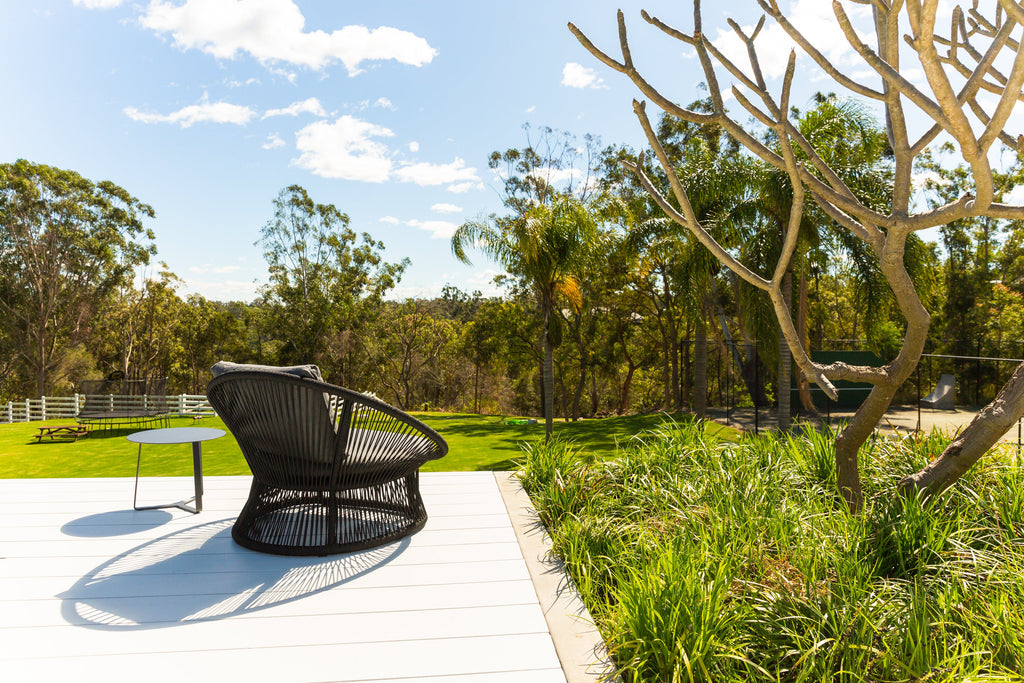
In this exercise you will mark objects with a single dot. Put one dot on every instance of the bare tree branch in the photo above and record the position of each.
(772, 8)
(888, 73)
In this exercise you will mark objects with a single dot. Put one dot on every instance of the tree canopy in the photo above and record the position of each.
(66, 245)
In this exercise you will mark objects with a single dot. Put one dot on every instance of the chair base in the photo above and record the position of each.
(288, 522)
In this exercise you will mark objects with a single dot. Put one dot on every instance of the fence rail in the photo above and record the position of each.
(68, 407)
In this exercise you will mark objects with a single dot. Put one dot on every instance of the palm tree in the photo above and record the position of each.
(850, 141)
(716, 178)
(544, 247)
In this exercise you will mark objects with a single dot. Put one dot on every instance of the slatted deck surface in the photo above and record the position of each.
(91, 590)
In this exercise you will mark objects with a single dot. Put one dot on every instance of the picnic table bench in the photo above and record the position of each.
(62, 430)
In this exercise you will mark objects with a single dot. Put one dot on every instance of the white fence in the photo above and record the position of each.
(67, 407)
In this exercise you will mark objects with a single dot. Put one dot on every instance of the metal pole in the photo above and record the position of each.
(719, 377)
(757, 388)
(918, 397)
(977, 377)
(728, 394)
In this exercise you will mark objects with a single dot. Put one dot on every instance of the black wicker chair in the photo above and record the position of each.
(333, 470)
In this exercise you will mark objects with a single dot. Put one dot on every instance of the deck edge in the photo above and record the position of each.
(580, 648)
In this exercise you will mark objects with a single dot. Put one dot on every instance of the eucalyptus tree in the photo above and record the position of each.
(409, 351)
(136, 331)
(66, 244)
(209, 331)
(544, 245)
(969, 97)
(483, 340)
(322, 280)
(971, 247)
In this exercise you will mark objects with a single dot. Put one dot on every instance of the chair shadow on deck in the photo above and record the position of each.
(200, 574)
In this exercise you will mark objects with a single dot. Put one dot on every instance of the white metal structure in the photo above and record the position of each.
(67, 407)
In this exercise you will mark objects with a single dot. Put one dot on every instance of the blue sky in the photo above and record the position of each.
(206, 109)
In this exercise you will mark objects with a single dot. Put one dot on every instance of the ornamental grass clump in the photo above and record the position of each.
(706, 560)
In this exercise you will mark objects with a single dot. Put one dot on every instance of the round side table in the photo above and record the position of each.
(194, 435)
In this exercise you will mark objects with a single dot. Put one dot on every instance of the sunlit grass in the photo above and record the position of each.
(475, 442)
(707, 560)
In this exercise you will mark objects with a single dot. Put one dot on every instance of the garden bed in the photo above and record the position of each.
(703, 560)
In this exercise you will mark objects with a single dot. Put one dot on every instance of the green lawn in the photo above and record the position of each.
(475, 443)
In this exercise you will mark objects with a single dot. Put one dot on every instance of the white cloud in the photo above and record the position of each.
(446, 208)
(554, 176)
(344, 149)
(379, 103)
(239, 84)
(1015, 196)
(212, 112)
(462, 188)
(216, 270)
(310, 106)
(223, 290)
(273, 31)
(349, 149)
(482, 280)
(98, 4)
(414, 146)
(273, 141)
(437, 229)
(426, 174)
(576, 75)
(919, 180)
(814, 19)
(531, 109)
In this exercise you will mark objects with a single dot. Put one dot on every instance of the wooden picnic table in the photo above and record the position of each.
(62, 430)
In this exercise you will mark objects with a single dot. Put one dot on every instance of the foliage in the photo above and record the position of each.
(543, 241)
(704, 560)
(322, 284)
(66, 245)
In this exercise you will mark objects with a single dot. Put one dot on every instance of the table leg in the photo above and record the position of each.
(138, 464)
(197, 472)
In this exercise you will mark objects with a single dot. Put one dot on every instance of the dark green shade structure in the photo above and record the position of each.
(333, 470)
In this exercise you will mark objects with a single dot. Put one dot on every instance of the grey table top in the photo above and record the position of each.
(176, 435)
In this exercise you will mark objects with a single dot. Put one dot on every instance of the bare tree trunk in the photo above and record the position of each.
(984, 431)
(476, 388)
(700, 369)
(581, 384)
(804, 387)
(626, 384)
(673, 348)
(782, 385)
(687, 364)
(666, 373)
(548, 382)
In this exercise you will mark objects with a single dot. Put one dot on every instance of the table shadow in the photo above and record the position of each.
(116, 523)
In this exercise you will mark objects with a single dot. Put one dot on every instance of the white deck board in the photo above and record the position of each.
(93, 590)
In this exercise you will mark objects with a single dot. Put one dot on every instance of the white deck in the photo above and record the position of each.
(91, 590)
